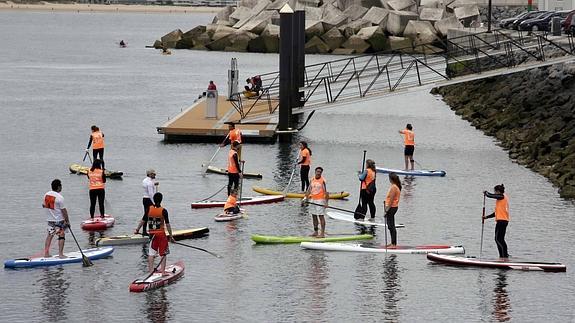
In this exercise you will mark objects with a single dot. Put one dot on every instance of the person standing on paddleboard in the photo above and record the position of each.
(317, 193)
(409, 141)
(234, 173)
(305, 162)
(231, 206)
(96, 182)
(150, 186)
(97, 143)
(391, 205)
(57, 217)
(501, 215)
(157, 221)
(235, 135)
(368, 189)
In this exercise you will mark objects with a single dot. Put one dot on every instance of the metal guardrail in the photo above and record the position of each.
(388, 71)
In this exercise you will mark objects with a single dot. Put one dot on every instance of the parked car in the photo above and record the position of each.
(529, 15)
(504, 23)
(543, 21)
(568, 21)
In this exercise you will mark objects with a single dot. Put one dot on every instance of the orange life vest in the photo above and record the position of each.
(97, 140)
(95, 179)
(395, 202)
(305, 153)
(409, 139)
(231, 202)
(368, 179)
(317, 188)
(156, 220)
(502, 209)
(235, 135)
(232, 167)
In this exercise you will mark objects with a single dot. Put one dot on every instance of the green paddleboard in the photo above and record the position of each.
(293, 239)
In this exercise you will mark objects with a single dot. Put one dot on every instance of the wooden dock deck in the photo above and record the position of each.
(191, 125)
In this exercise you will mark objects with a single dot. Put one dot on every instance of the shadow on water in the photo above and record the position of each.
(157, 306)
(287, 154)
(316, 279)
(501, 303)
(54, 292)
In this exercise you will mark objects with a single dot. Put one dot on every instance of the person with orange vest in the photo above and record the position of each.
(97, 143)
(233, 136)
(305, 162)
(501, 215)
(157, 222)
(368, 189)
(317, 193)
(391, 205)
(97, 180)
(231, 206)
(409, 141)
(234, 168)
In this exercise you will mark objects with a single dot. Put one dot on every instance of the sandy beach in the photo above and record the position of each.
(84, 7)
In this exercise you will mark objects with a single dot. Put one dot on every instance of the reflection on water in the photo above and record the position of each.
(92, 237)
(501, 303)
(287, 155)
(157, 306)
(54, 300)
(392, 288)
(316, 279)
(408, 186)
(366, 229)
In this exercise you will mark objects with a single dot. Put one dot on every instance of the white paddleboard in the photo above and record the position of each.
(375, 248)
(349, 218)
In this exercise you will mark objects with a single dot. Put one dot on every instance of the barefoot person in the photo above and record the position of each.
(97, 143)
(305, 162)
(97, 182)
(368, 189)
(157, 222)
(234, 168)
(390, 205)
(57, 217)
(317, 193)
(501, 215)
(409, 141)
(150, 186)
(231, 206)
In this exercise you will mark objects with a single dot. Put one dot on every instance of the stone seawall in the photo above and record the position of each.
(531, 113)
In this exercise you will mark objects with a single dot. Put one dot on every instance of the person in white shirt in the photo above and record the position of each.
(57, 217)
(150, 186)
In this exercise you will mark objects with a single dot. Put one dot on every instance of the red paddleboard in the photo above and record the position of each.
(98, 223)
(157, 280)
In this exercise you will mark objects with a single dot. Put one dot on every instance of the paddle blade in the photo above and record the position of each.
(359, 212)
(86, 261)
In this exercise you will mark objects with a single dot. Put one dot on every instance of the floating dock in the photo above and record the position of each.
(193, 125)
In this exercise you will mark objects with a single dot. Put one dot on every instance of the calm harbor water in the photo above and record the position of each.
(62, 72)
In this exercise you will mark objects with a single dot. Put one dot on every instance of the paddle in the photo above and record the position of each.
(385, 230)
(205, 166)
(241, 183)
(85, 260)
(291, 177)
(482, 226)
(358, 214)
(335, 208)
(153, 271)
(197, 248)
(85, 155)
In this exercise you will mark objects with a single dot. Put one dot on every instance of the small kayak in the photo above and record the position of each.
(140, 239)
(98, 223)
(416, 172)
(375, 248)
(245, 201)
(222, 171)
(156, 280)
(266, 191)
(349, 218)
(493, 263)
(83, 170)
(71, 257)
(224, 217)
(295, 239)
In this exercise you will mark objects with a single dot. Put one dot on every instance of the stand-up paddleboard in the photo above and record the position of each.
(490, 263)
(332, 195)
(224, 217)
(375, 248)
(416, 172)
(349, 218)
(245, 201)
(98, 223)
(295, 239)
(139, 239)
(222, 171)
(145, 283)
(83, 170)
(71, 257)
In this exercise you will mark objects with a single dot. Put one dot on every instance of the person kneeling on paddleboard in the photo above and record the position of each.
(57, 217)
(317, 193)
(501, 215)
(391, 205)
(157, 222)
(231, 206)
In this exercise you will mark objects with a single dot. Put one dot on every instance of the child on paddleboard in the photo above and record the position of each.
(231, 206)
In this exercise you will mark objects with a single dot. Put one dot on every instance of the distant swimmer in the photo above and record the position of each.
(123, 44)
(97, 143)
(409, 141)
(501, 215)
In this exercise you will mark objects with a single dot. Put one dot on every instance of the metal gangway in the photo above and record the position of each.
(444, 62)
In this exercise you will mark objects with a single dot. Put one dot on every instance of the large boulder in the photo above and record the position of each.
(399, 43)
(445, 24)
(333, 38)
(467, 14)
(332, 17)
(420, 32)
(343, 51)
(354, 12)
(316, 46)
(313, 28)
(354, 27)
(344, 4)
(451, 5)
(224, 14)
(397, 21)
(267, 42)
(247, 3)
(255, 11)
(170, 39)
(430, 3)
(223, 31)
(312, 13)
(377, 16)
(402, 5)
(221, 43)
(158, 44)
(211, 29)
(431, 14)
(239, 14)
(258, 24)
(240, 41)
(359, 45)
(375, 37)
(277, 4)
